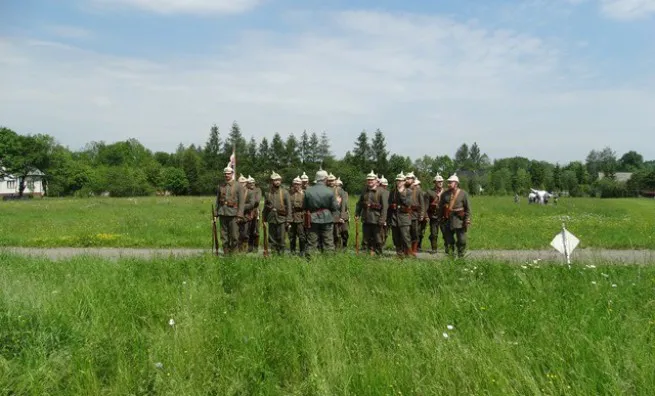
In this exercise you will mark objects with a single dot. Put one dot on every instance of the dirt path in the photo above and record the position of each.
(522, 256)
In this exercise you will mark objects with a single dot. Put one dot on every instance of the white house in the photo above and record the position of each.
(33, 184)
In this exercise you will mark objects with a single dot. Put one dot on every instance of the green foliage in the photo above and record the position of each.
(342, 325)
(175, 181)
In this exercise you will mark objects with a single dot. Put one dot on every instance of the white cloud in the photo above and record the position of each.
(628, 9)
(430, 83)
(183, 6)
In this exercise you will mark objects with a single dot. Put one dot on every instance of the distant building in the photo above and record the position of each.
(33, 184)
(619, 176)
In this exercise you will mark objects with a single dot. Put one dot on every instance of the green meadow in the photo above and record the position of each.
(336, 325)
(168, 222)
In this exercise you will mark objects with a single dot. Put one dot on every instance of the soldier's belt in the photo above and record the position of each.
(296, 210)
(374, 206)
(230, 204)
(406, 209)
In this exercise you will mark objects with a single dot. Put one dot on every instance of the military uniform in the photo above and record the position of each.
(384, 186)
(230, 200)
(456, 213)
(432, 201)
(244, 226)
(423, 222)
(400, 219)
(253, 227)
(344, 228)
(322, 206)
(297, 230)
(418, 211)
(341, 217)
(372, 209)
(277, 214)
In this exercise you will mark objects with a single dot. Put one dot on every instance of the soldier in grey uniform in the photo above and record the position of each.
(230, 200)
(372, 209)
(418, 209)
(384, 186)
(253, 228)
(244, 226)
(456, 212)
(322, 206)
(433, 198)
(277, 213)
(400, 216)
(344, 221)
(305, 181)
(423, 222)
(297, 230)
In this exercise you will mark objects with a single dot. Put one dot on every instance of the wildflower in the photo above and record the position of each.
(450, 327)
(593, 282)
(171, 322)
(605, 275)
(613, 284)
(524, 266)
(445, 335)
(184, 282)
(159, 365)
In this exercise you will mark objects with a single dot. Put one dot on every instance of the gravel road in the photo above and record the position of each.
(522, 256)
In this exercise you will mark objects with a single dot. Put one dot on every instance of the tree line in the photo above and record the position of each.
(127, 168)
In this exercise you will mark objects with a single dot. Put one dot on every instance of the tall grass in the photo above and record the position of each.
(335, 325)
(169, 222)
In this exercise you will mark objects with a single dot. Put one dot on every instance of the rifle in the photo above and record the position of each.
(214, 233)
(356, 236)
(265, 237)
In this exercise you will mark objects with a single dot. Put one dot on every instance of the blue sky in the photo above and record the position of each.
(546, 79)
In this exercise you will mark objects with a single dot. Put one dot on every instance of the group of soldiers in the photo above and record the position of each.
(317, 217)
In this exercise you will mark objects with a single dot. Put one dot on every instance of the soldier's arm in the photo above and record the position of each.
(218, 201)
(358, 206)
(344, 205)
(241, 193)
(467, 208)
(289, 208)
(385, 207)
(421, 200)
(267, 206)
(335, 205)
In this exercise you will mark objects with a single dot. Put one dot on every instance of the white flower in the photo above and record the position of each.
(184, 282)
(613, 284)
(171, 322)
(450, 327)
(445, 335)
(159, 365)
(605, 275)
(593, 282)
(524, 266)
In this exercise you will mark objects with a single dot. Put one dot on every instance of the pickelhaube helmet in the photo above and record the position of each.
(321, 175)
(242, 179)
(371, 176)
(338, 182)
(384, 181)
(401, 176)
(304, 177)
(453, 178)
(250, 179)
(275, 176)
(410, 175)
(297, 180)
(331, 177)
(228, 169)
(438, 178)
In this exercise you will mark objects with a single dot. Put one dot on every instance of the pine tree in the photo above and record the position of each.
(462, 157)
(277, 152)
(304, 146)
(323, 149)
(212, 150)
(312, 149)
(379, 152)
(361, 152)
(292, 151)
(264, 156)
(235, 139)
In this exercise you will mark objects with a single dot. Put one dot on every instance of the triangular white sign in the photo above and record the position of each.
(571, 242)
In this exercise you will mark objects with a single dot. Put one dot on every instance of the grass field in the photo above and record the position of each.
(337, 326)
(498, 223)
